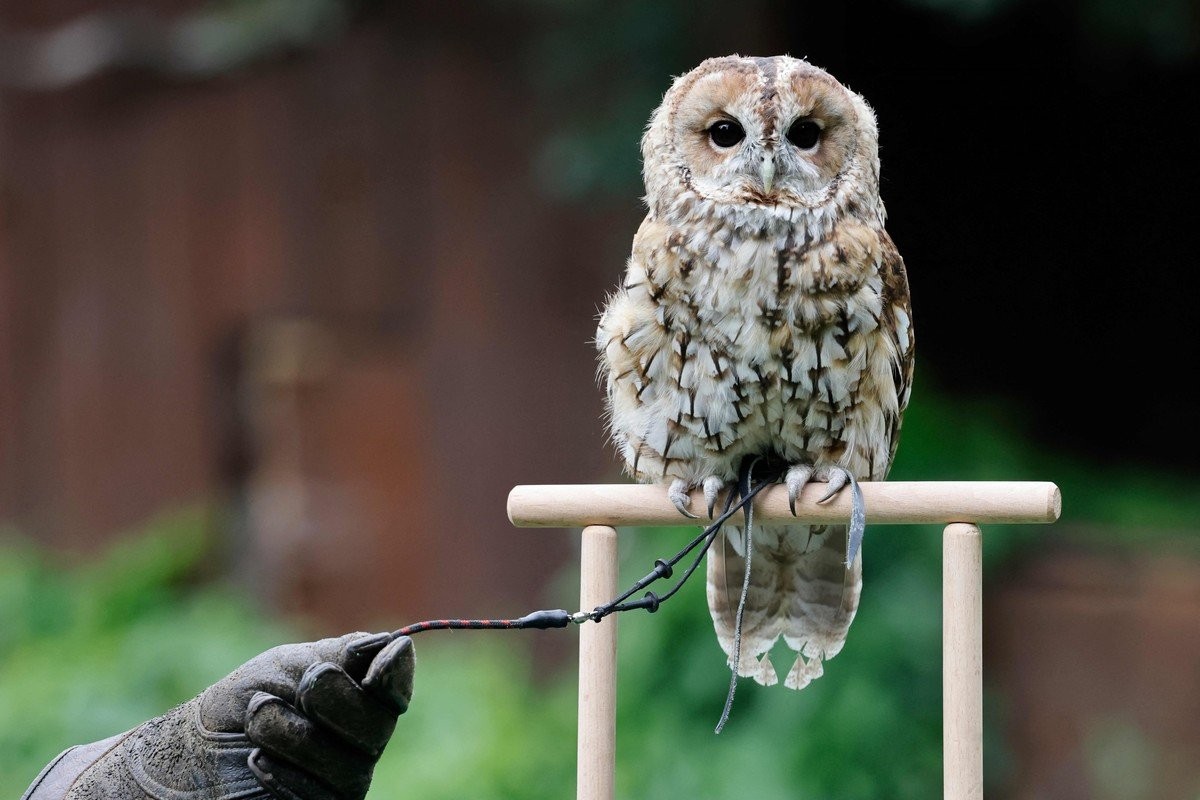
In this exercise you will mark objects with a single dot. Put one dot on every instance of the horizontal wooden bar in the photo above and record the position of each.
(887, 502)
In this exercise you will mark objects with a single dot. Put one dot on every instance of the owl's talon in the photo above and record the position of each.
(797, 476)
(712, 488)
(837, 480)
(678, 494)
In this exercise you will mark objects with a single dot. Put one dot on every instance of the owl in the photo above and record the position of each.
(765, 312)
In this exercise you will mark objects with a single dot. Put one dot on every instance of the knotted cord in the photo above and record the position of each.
(739, 499)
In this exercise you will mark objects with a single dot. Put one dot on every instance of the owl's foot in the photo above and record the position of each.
(836, 478)
(796, 478)
(712, 487)
(678, 494)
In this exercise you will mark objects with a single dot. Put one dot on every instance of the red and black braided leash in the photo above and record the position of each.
(558, 618)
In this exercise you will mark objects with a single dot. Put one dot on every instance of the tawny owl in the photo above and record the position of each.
(764, 311)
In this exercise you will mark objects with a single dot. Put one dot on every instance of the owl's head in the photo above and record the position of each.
(774, 132)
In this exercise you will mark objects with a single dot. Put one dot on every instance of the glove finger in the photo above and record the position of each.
(357, 655)
(331, 697)
(286, 782)
(284, 733)
(276, 671)
(390, 675)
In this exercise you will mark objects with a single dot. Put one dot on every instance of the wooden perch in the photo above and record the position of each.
(890, 502)
(960, 506)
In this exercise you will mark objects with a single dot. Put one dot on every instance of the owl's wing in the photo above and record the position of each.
(897, 327)
(657, 370)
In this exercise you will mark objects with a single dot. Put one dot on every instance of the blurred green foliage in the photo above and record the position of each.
(90, 651)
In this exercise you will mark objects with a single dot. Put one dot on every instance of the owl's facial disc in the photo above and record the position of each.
(741, 157)
(772, 132)
(730, 154)
(725, 135)
(765, 169)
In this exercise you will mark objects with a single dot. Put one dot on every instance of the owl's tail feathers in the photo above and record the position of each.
(804, 672)
(821, 604)
(800, 589)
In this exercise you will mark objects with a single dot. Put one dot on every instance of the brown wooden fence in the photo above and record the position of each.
(322, 288)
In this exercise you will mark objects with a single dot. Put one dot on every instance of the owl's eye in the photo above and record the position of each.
(804, 133)
(726, 133)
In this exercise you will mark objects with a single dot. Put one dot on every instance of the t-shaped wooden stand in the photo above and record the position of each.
(960, 506)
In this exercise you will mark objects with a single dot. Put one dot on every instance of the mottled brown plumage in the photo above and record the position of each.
(764, 311)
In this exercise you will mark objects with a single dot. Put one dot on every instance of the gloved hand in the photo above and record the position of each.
(298, 722)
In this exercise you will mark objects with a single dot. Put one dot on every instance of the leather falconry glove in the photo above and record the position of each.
(298, 722)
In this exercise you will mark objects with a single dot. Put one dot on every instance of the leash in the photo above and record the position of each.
(739, 499)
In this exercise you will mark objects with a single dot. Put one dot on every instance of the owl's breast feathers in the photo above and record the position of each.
(722, 343)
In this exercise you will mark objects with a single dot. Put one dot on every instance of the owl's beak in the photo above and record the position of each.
(767, 171)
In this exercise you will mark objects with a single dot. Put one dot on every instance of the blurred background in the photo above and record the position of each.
(292, 292)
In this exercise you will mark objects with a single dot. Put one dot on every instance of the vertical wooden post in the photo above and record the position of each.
(962, 662)
(597, 743)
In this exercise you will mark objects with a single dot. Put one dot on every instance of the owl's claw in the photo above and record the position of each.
(797, 476)
(678, 494)
(712, 488)
(837, 478)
